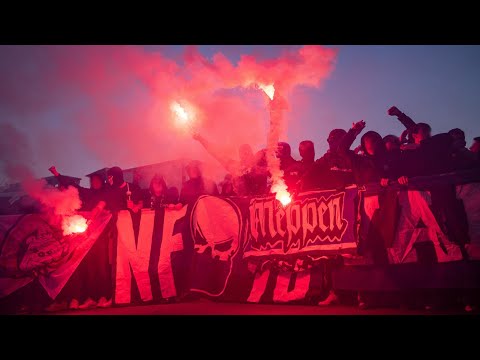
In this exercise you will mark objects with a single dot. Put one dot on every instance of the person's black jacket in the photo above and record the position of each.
(366, 168)
(155, 202)
(331, 171)
(89, 197)
(193, 188)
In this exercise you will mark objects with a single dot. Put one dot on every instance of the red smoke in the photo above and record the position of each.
(115, 100)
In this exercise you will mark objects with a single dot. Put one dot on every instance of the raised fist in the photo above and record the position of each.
(359, 126)
(384, 182)
(393, 111)
(403, 180)
(53, 170)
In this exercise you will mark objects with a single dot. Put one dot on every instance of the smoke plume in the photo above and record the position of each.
(16, 160)
(86, 107)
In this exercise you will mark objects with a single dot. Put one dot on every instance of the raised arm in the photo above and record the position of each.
(347, 141)
(404, 119)
(63, 180)
(212, 151)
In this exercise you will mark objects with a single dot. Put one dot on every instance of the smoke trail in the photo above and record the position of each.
(87, 107)
(15, 163)
(277, 106)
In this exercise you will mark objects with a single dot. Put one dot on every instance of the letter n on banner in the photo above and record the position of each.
(136, 257)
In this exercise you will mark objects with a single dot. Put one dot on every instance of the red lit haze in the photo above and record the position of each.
(117, 99)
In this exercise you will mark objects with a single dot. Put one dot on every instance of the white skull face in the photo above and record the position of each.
(216, 226)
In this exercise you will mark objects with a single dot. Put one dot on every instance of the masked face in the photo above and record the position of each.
(157, 188)
(373, 144)
(95, 183)
(475, 148)
(421, 135)
(306, 150)
(392, 146)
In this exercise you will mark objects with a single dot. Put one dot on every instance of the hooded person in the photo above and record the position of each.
(332, 170)
(289, 166)
(90, 197)
(196, 185)
(462, 157)
(159, 194)
(121, 194)
(392, 143)
(475, 147)
(91, 283)
(375, 164)
(226, 186)
(411, 127)
(249, 173)
(284, 153)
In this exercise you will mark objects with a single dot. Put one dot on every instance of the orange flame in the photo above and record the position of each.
(281, 193)
(284, 198)
(74, 224)
(180, 113)
(268, 89)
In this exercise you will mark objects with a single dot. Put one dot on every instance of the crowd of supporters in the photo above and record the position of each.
(382, 160)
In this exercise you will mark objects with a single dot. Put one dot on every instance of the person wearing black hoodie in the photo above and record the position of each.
(332, 170)
(375, 164)
(91, 283)
(159, 195)
(90, 197)
(463, 158)
(288, 165)
(196, 185)
(122, 195)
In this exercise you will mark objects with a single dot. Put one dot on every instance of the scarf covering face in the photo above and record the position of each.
(117, 175)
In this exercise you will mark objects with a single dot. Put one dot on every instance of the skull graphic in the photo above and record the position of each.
(216, 225)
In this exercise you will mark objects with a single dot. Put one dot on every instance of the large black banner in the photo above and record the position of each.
(210, 245)
(229, 249)
(235, 238)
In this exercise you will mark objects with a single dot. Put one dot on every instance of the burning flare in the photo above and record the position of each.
(183, 118)
(282, 195)
(180, 112)
(268, 89)
(278, 184)
(74, 224)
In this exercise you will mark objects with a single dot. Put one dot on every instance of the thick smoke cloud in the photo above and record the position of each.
(109, 105)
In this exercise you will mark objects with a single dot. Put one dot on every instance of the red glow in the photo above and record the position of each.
(284, 198)
(74, 224)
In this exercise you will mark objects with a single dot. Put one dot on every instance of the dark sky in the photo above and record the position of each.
(435, 84)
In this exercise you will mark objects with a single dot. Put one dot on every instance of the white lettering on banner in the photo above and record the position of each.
(302, 224)
(415, 206)
(310, 220)
(271, 227)
(259, 286)
(302, 282)
(170, 243)
(138, 257)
